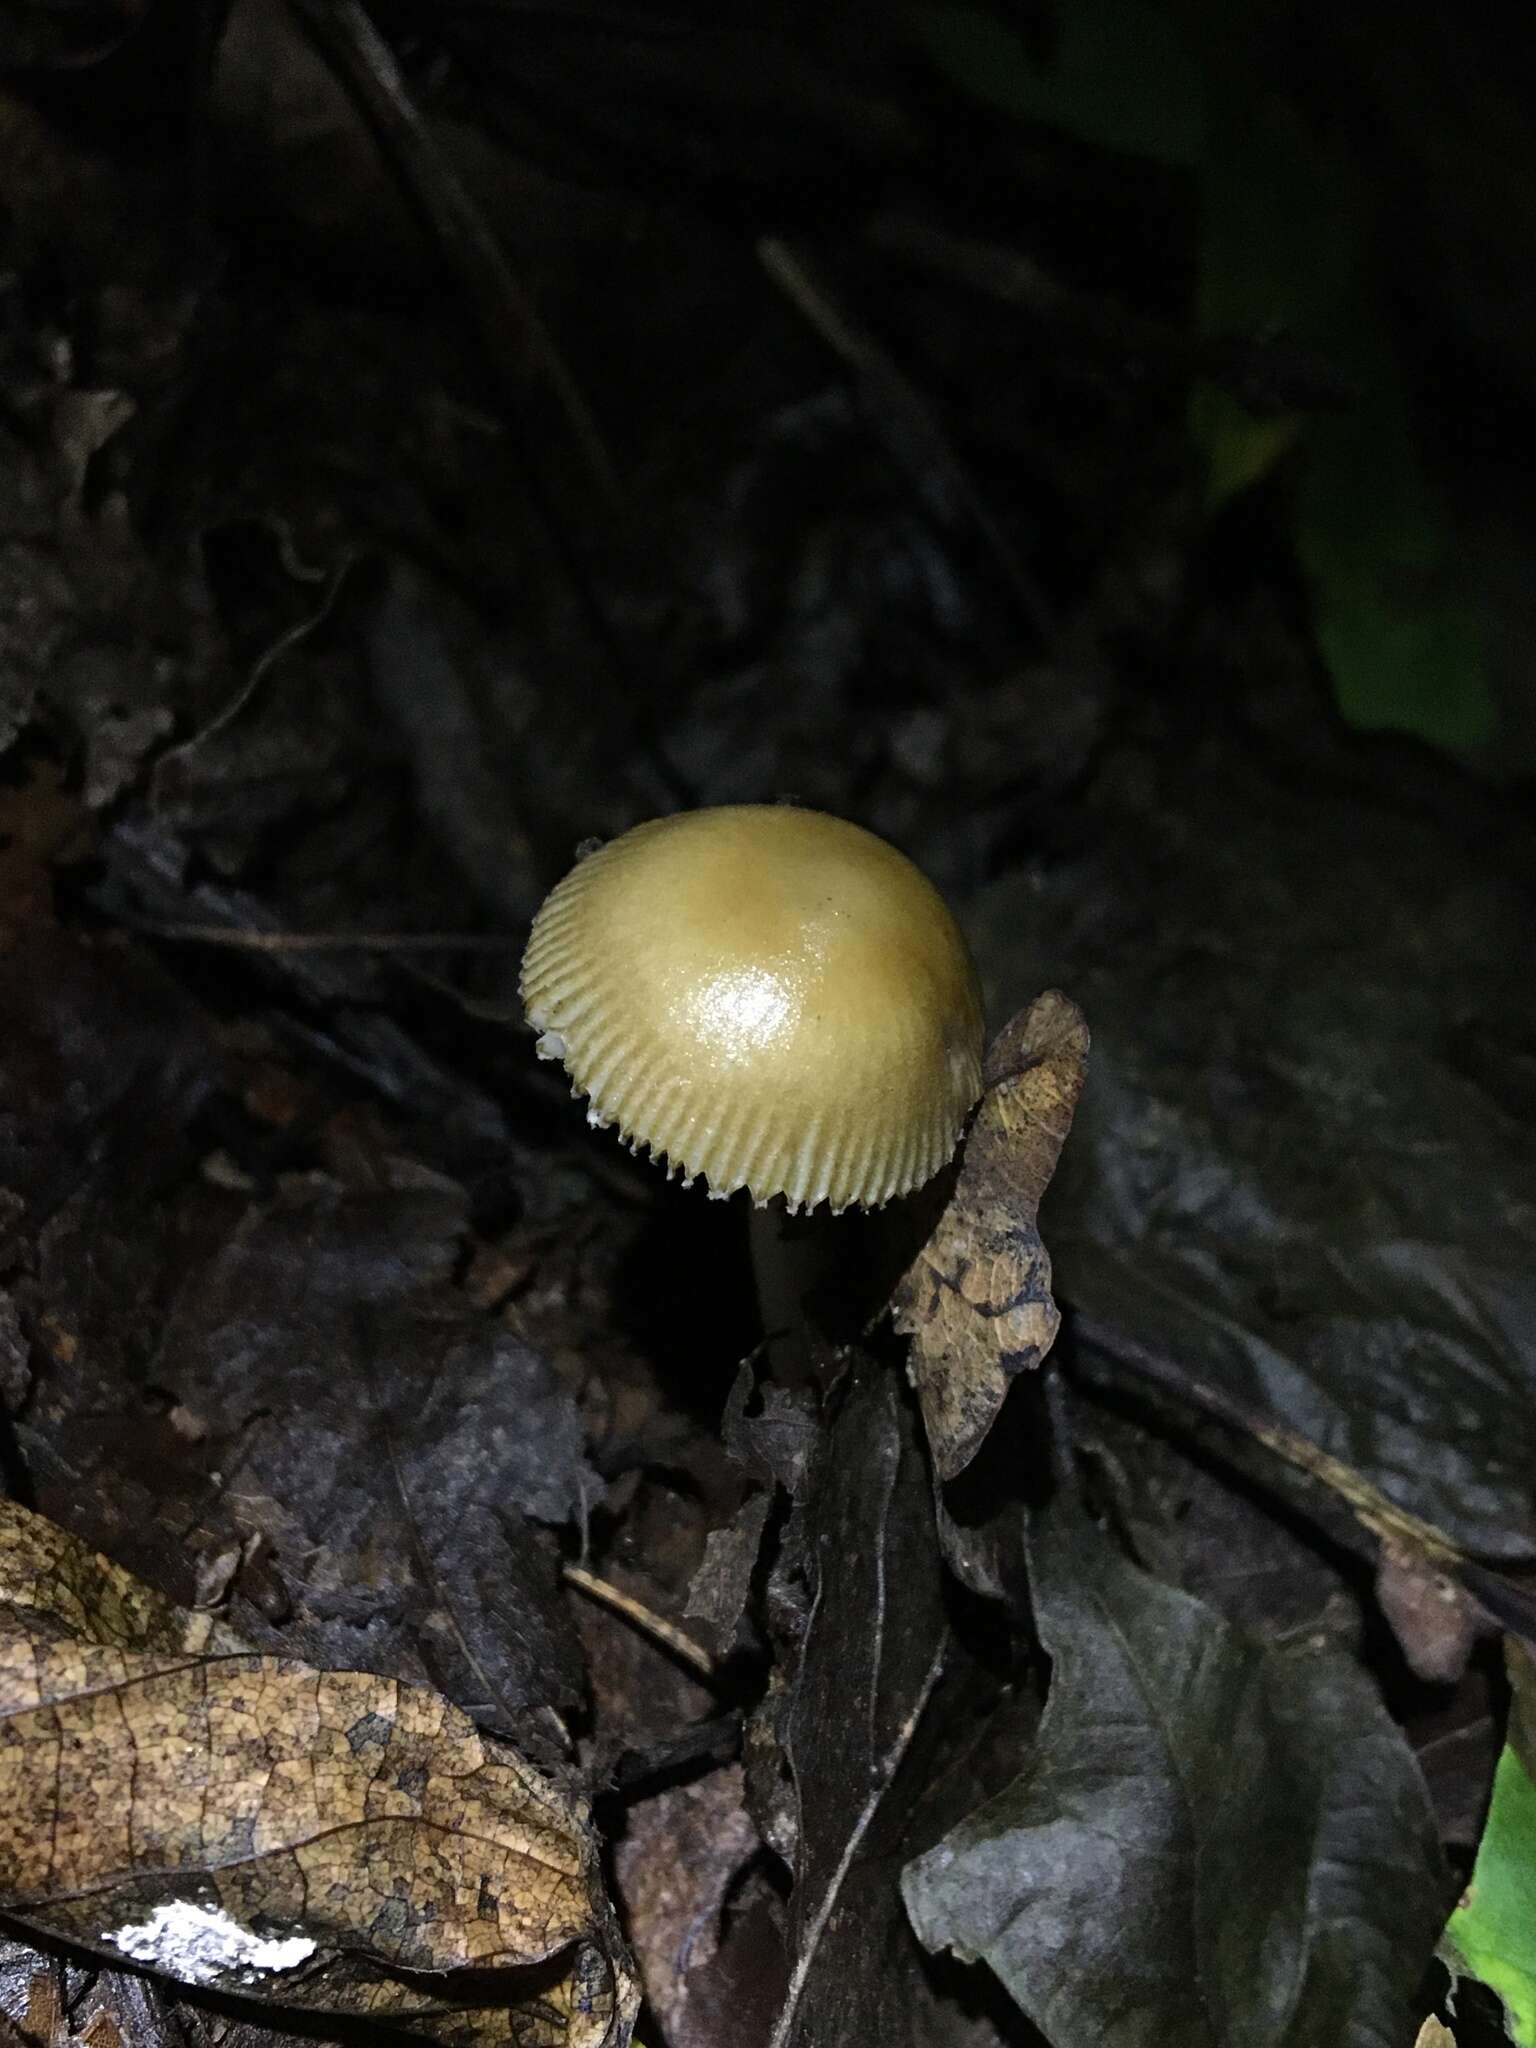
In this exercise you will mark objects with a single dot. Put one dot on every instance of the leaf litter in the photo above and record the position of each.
(320, 1312)
(253, 1824)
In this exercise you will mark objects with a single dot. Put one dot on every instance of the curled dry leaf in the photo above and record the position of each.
(976, 1301)
(255, 1825)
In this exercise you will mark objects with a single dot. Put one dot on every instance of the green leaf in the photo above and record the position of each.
(1214, 1843)
(1121, 76)
(1492, 1933)
(1239, 447)
(1287, 247)
(1403, 657)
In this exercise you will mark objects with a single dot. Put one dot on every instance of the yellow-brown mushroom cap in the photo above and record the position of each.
(768, 997)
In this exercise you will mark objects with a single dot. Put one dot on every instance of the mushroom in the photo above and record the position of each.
(765, 998)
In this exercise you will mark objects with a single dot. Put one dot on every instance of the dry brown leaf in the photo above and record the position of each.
(255, 1825)
(682, 1851)
(976, 1301)
(1435, 1620)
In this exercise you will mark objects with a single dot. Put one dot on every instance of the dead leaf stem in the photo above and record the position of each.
(644, 1618)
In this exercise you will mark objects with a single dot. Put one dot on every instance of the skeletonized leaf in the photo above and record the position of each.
(977, 1299)
(256, 1825)
(1213, 1842)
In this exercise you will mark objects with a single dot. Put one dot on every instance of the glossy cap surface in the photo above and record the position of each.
(766, 997)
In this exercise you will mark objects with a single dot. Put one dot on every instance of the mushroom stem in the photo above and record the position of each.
(821, 1279)
(788, 1257)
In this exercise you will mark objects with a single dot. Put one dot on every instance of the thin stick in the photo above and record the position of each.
(644, 1618)
(1369, 1506)
(291, 637)
(326, 942)
(502, 308)
(917, 425)
(1270, 373)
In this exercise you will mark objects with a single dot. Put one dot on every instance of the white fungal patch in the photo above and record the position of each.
(202, 1945)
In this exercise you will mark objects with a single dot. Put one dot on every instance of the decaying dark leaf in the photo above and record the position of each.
(35, 2012)
(977, 1299)
(737, 1995)
(681, 1852)
(390, 1446)
(1212, 1840)
(775, 1444)
(1182, 1519)
(205, 1373)
(252, 1824)
(872, 1651)
(336, 1402)
(718, 1594)
(1301, 1177)
(64, 32)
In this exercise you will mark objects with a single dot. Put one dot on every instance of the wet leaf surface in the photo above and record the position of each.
(308, 1387)
(339, 1410)
(390, 1443)
(1299, 1174)
(1257, 1818)
(252, 1824)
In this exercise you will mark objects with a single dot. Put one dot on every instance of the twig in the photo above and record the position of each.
(502, 308)
(644, 1618)
(1267, 373)
(511, 334)
(325, 942)
(901, 405)
(291, 637)
(1370, 1507)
